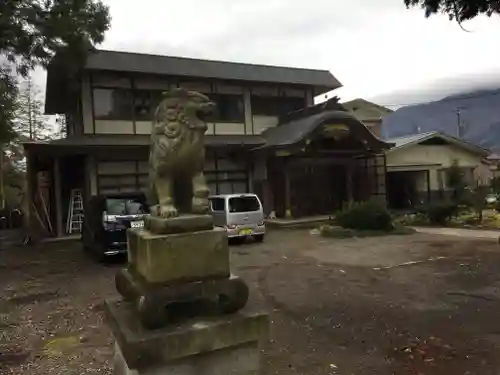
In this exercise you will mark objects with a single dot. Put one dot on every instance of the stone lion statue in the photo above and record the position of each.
(177, 154)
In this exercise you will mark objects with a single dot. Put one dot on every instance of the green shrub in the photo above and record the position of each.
(367, 215)
(439, 213)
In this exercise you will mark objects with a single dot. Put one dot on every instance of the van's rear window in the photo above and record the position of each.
(243, 204)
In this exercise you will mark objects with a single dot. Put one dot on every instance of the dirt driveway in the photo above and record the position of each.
(420, 304)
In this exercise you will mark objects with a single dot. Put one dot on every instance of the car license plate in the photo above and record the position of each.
(245, 232)
(137, 224)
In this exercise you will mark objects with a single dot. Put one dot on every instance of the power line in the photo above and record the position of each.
(443, 100)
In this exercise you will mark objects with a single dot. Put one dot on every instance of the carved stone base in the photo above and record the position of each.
(156, 304)
(227, 345)
(180, 257)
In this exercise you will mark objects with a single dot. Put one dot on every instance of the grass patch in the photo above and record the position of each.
(339, 232)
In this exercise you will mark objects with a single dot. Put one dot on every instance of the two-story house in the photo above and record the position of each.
(265, 136)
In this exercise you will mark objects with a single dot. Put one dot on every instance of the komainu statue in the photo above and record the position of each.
(177, 154)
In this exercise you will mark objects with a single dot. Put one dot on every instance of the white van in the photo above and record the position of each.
(240, 214)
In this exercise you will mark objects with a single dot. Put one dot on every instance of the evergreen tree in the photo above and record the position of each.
(30, 123)
(8, 101)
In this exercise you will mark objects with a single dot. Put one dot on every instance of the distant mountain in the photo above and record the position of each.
(479, 116)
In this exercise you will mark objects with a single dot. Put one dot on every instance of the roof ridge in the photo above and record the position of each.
(416, 135)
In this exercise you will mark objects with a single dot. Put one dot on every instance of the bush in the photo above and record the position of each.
(439, 213)
(368, 215)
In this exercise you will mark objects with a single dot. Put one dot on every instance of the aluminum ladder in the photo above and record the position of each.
(74, 221)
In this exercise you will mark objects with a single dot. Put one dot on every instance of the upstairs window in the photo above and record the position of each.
(113, 104)
(145, 104)
(229, 108)
(276, 106)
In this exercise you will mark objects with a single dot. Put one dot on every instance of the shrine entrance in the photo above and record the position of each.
(319, 161)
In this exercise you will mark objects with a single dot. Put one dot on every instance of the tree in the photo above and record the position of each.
(456, 182)
(495, 185)
(34, 31)
(459, 10)
(38, 32)
(30, 123)
(60, 130)
(8, 102)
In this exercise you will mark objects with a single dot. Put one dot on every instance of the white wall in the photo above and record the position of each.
(433, 158)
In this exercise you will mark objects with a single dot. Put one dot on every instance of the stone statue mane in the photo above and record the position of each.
(177, 153)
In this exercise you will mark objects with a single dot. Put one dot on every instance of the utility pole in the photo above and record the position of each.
(459, 124)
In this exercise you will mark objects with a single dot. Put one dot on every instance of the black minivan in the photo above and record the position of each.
(106, 220)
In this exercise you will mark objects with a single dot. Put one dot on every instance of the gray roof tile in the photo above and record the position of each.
(420, 137)
(181, 66)
(296, 130)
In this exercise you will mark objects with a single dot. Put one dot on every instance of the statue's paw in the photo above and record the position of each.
(200, 205)
(168, 211)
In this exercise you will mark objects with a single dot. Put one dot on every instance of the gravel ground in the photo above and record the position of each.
(419, 304)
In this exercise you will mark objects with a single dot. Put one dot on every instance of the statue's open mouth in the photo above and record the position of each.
(205, 110)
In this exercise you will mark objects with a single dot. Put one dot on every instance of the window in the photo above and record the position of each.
(113, 104)
(145, 104)
(229, 108)
(125, 206)
(218, 204)
(230, 177)
(276, 106)
(243, 204)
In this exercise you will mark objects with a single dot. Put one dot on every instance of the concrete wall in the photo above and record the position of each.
(251, 124)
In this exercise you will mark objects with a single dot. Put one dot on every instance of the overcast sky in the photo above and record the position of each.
(378, 49)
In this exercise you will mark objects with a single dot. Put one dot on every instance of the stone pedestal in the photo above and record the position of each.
(223, 345)
(175, 261)
(182, 309)
(179, 257)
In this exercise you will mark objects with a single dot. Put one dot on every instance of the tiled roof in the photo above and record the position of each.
(189, 67)
(298, 128)
(413, 138)
(421, 137)
(365, 110)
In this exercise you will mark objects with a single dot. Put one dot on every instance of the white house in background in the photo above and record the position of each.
(418, 164)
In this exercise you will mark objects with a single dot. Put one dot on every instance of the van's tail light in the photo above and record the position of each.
(231, 226)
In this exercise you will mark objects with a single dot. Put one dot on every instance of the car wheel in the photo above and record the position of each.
(259, 238)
